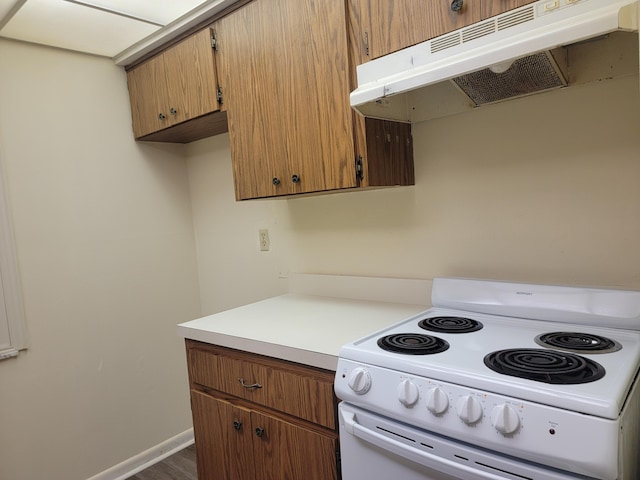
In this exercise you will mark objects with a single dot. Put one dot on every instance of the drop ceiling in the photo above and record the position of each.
(119, 29)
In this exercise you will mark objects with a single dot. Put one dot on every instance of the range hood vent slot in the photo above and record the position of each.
(446, 41)
(531, 74)
(516, 18)
(482, 29)
(477, 31)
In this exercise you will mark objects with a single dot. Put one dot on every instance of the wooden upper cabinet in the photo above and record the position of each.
(285, 69)
(284, 73)
(175, 86)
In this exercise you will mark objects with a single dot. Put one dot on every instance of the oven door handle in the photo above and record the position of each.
(408, 452)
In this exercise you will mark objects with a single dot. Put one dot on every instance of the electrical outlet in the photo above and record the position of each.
(263, 235)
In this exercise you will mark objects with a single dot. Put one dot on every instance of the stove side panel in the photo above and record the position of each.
(630, 435)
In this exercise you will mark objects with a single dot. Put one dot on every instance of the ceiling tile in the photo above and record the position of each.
(158, 11)
(75, 27)
(5, 6)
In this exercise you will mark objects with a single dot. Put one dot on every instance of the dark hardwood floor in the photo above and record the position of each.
(179, 466)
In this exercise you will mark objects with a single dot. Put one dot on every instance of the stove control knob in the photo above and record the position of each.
(437, 401)
(359, 381)
(505, 419)
(408, 393)
(469, 409)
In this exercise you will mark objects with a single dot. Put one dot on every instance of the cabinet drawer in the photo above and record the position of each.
(297, 390)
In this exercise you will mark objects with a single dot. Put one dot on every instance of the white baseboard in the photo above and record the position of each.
(147, 458)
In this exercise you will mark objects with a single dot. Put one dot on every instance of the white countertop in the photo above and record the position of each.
(305, 328)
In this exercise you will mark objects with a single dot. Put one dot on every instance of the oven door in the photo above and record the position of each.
(377, 448)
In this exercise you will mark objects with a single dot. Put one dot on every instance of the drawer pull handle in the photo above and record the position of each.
(253, 385)
(237, 425)
(259, 431)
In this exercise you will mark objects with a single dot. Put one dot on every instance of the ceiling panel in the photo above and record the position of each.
(5, 6)
(158, 11)
(72, 26)
(100, 27)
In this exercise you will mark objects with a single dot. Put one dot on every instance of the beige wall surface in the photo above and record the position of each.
(232, 269)
(541, 189)
(106, 253)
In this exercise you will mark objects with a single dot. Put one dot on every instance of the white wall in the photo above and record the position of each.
(232, 270)
(106, 253)
(541, 189)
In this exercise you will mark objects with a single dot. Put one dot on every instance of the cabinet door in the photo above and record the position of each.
(223, 436)
(283, 450)
(284, 74)
(496, 7)
(191, 78)
(177, 85)
(148, 94)
(390, 25)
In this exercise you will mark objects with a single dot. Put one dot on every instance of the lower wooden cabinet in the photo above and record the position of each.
(261, 418)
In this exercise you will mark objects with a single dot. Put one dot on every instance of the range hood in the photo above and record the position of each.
(542, 46)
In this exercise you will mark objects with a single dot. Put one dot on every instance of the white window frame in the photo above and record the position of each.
(12, 315)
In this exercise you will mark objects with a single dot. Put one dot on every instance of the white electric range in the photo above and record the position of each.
(496, 381)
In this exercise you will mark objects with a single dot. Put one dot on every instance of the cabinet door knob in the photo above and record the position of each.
(173, 111)
(456, 5)
(237, 425)
(295, 178)
(161, 116)
(275, 181)
(259, 431)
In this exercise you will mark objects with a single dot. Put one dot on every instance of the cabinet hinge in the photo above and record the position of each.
(359, 169)
(214, 41)
(219, 95)
(366, 43)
